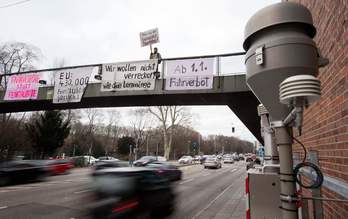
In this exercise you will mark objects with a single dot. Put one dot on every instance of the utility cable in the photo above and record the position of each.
(320, 177)
(14, 4)
(304, 148)
(317, 182)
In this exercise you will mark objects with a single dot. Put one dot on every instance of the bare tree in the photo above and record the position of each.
(169, 118)
(112, 130)
(94, 116)
(16, 57)
(140, 123)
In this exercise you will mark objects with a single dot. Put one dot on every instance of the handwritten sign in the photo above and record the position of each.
(189, 74)
(70, 84)
(22, 87)
(149, 37)
(129, 76)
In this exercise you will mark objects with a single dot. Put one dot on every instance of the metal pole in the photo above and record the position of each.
(74, 151)
(157, 149)
(271, 152)
(317, 203)
(287, 181)
(147, 145)
(130, 155)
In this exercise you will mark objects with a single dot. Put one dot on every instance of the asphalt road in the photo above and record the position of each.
(202, 193)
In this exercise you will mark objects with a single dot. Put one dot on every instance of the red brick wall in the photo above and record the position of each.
(326, 122)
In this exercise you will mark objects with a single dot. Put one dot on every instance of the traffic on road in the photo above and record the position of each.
(114, 189)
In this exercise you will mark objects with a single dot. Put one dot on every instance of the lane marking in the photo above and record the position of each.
(233, 170)
(212, 202)
(3, 207)
(207, 174)
(82, 191)
(186, 181)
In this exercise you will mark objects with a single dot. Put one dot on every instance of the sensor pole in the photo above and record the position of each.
(286, 175)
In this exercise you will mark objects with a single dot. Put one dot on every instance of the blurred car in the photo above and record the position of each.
(102, 164)
(203, 158)
(212, 162)
(161, 159)
(131, 192)
(185, 160)
(241, 157)
(228, 158)
(59, 166)
(90, 160)
(197, 158)
(144, 160)
(107, 158)
(12, 172)
(170, 171)
(235, 157)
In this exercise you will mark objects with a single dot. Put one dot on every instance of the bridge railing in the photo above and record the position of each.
(226, 64)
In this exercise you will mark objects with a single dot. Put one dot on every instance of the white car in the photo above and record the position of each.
(185, 160)
(107, 158)
(228, 158)
(212, 162)
(90, 160)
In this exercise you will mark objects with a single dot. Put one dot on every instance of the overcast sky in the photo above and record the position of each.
(103, 31)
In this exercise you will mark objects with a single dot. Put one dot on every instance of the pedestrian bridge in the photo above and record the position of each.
(230, 90)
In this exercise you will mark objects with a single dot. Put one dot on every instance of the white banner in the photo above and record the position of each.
(190, 74)
(190, 67)
(137, 75)
(197, 82)
(149, 37)
(22, 87)
(70, 84)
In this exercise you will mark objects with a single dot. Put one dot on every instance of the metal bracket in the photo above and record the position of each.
(259, 55)
(277, 124)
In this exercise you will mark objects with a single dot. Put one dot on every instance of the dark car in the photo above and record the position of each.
(110, 164)
(13, 172)
(131, 192)
(170, 171)
(144, 160)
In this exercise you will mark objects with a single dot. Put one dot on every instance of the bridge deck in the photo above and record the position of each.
(227, 90)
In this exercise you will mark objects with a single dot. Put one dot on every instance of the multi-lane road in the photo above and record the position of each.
(202, 193)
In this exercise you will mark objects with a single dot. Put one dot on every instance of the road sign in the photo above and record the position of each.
(149, 37)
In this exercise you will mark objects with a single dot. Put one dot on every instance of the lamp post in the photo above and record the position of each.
(130, 155)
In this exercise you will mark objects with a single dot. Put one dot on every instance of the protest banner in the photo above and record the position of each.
(70, 84)
(149, 37)
(22, 87)
(137, 75)
(189, 74)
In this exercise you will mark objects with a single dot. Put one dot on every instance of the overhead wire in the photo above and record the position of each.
(14, 4)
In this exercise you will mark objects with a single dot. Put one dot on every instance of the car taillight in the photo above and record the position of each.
(123, 206)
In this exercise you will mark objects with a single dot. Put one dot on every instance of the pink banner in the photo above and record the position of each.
(22, 87)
